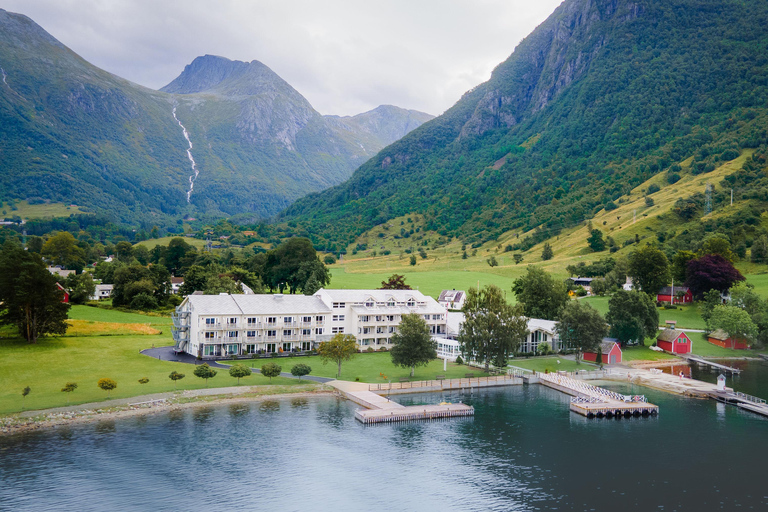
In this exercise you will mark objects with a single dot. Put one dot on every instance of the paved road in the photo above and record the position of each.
(167, 354)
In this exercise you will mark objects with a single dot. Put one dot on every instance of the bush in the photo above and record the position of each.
(382, 349)
(144, 302)
(653, 188)
(673, 177)
(329, 260)
(609, 206)
(370, 349)
(459, 360)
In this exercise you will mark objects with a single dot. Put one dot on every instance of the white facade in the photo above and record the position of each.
(452, 299)
(539, 331)
(221, 325)
(102, 291)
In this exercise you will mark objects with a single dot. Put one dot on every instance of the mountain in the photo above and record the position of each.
(74, 133)
(602, 96)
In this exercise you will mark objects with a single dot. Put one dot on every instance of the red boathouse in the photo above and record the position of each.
(672, 340)
(721, 338)
(611, 352)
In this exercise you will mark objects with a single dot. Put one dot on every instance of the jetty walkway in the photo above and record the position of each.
(596, 402)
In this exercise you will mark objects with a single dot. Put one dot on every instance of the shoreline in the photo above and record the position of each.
(15, 424)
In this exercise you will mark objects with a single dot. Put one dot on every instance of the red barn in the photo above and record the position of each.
(682, 295)
(611, 352)
(722, 339)
(674, 341)
(65, 297)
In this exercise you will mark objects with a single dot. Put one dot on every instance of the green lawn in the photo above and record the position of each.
(702, 347)
(368, 368)
(95, 314)
(150, 244)
(643, 353)
(428, 283)
(32, 211)
(687, 316)
(46, 366)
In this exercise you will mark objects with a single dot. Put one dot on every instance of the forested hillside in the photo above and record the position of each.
(73, 133)
(602, 96)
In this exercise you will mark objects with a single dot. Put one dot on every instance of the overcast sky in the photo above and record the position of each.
(344, 56)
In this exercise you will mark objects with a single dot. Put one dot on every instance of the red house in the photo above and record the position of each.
(674, 341)
(611, 352)
(681, 295)
(65, 297)
(722, 339)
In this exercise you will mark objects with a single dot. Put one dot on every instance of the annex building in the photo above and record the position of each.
(211, 326)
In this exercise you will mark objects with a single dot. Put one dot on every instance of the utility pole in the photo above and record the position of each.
(708, 191)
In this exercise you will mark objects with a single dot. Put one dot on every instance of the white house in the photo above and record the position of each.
(221, 325)
(102, 291)
(452, 299)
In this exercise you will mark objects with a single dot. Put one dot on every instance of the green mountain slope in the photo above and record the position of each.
(602, 96)
(73, 133)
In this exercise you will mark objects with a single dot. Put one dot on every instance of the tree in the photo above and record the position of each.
(632, 316)
(271, 370)
(107, 385)
(679, 266)
(204, 372)
(62, 249)
(292, 263)
(546, 253)
(413, 345)
(174, 376)
(649, 269)
(24, 393)
(599, 356)
(710, 299)
(395, 282)
(68, 388)
(29, 297)
(300, 370)
(124, 251)
(492, 261)
(734, 321)
(492, 330)
(595, 240)
(717, 243)
(599, 286)
(239, 371)
(81, 287)
(580, 326)
(517, 257)
(541, 295)
(759, 250)
(711, 272)
(413, 260)
(340, 348)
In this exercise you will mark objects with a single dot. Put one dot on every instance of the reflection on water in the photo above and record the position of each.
(523, 450)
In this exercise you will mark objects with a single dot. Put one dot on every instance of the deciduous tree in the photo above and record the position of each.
(413, 345)
(68, 388)
(649, 269)
(711, 272)
(338, 349)
(734, 321)
(176, 376)
(540, 294)
(107, 385)
(395, 282)
(300, 370)
(632, 316)
(239, 371)
(204, 372)
(492, 330)
(580, 326)
(271, 370)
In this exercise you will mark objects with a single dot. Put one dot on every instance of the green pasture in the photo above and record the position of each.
(551, 364)
(150, 244)
(36, 211)
(687, 316)
(95, 314)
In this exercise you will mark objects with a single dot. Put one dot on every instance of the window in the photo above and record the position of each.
(437, 317)
(392, 329)
(306, 332)
(232, 321)
(271, 334)
(338, 318)
(232, 334)
(307, 319)
(319, 319)
(287, 332)
(365, 318)
(365, 341)
(209, 350)
(306, 345)
(337, 330)
(272, 320)
(380, 330)
(286, 347)
(369, 303)
(411, 303)
(426, 317)
(682, 340)
(337, 305)
(252, 321)
(390, 318)
(210, 321)
(391, 303)
(379, 318)
(251, 334)
(231, 350)
(367, 330)
(251, 349)
(210, 335)
(319, 330)
(287, 319)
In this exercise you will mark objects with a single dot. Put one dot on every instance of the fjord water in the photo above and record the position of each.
(523, 450)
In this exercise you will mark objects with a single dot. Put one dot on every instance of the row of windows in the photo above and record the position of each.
(270, 320)
(378, 330)
(270, 333)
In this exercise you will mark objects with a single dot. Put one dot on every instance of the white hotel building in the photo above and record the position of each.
(223, 325)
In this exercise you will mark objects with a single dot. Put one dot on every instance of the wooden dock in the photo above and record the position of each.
(742, 401)
(596, 402)
(704, 362)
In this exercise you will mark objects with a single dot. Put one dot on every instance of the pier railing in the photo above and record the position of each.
(445, 383)
(750, 398)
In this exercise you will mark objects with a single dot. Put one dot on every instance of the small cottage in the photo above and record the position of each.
(452, 299)
(65, 296)
(722, 339)
(680, 294)
(674, 341)
(611, 351)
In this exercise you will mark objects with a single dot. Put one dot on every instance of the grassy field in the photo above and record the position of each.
(643, 353)
(367, 368)
(541, 364)
(687, 316)
(35, 211)
(428, 283)
(150, 244)
(94, 314)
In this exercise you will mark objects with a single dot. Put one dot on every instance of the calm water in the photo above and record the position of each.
(523, 450)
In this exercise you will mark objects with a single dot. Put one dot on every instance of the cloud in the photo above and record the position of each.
(344, 56)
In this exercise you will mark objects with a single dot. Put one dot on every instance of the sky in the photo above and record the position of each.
(344, 56)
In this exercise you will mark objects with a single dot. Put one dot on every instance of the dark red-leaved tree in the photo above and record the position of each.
(711, 272)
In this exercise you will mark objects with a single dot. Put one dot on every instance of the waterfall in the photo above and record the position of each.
(4, 76)
(193, 177)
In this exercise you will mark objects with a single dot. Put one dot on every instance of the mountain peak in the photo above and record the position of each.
(211, 73)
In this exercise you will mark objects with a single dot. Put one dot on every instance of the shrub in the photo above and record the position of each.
(459, 360)
(382, 349)
(370, 349)
(144, 302)
(329, 260)
(653, 188)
